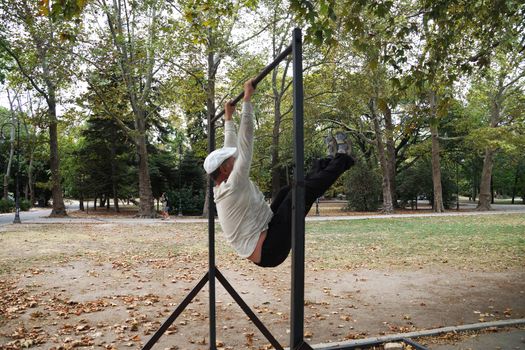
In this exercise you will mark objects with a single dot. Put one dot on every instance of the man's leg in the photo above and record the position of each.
(316, 184)
(278, 242)
(276, 202)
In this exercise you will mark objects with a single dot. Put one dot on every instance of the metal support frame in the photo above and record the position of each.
(213, 273)
(298, 205)
(297, 341)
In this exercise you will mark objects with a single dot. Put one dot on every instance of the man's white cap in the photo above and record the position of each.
(217, 157)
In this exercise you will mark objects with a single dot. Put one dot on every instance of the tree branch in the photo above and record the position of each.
(22, 69)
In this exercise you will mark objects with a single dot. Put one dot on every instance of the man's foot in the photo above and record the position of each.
(344, 145)
(331, 144)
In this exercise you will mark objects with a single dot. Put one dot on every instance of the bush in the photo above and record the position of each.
(25, 205)
(364, 188)
(192, 201)
(6, 205)
(416, 181)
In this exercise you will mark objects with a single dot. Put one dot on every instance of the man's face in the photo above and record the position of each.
(227, 166)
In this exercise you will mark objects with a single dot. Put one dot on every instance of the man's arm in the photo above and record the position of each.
(245, 143)
(230, 134)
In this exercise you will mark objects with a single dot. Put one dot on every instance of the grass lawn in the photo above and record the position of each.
(495, 242)
(492, 242)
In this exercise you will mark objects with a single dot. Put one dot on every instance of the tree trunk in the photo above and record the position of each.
(438, 206)
(387, 193)
(210, 111)
(7, 174)
(492, 194)
(276, 132)
(515, 185)
(474, 183)
(30, 181)
(114, 178)
(81, 203)
(59, 209)
(146, 206)
(488, 161)
(486, 175)
(391, 154)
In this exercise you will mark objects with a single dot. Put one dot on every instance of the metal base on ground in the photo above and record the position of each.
(193, 293)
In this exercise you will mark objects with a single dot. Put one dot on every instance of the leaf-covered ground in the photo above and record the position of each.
(110, 285)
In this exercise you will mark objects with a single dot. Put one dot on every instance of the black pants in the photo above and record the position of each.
(278, 242)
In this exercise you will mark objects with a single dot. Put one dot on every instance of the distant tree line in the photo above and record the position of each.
(431, 94)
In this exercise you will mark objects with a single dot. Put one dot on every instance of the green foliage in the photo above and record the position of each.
(25, 204)
(416, 182)
(61, 9)
(190, 200)
(187, 186)
(6, 205)
(321, 17)
(100, 162)
(363, 188)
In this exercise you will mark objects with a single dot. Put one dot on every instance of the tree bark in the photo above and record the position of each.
(391, 154)
(210, 111)
(31, 183)
(486, 176)
(515, 185)
(7, 174)
(278, 89)
(276, 133)
(387, 193)
(146, 205)
(59, 209)
(485, 197)
(438, 206)
(114, 185)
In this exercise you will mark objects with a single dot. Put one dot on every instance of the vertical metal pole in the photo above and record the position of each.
(211, 241)
(297, 290)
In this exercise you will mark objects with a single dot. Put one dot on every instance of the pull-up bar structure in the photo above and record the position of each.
(297, 291)
(297, 341)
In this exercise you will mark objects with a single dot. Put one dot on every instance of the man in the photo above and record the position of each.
(256, 231)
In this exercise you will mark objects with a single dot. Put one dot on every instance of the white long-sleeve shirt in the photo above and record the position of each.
(243, 212)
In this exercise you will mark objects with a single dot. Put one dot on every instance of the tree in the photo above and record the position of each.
(502, 88)
(208, 28)
(11, 123)
(43, 59)
(135, 36)
(435, 41)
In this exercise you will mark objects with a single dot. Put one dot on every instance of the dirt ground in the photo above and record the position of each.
(111, 286)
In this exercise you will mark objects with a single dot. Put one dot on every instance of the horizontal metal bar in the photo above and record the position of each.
(266, 70)
(360, 343)
(187, 300)
(247, 310)
(415, 345)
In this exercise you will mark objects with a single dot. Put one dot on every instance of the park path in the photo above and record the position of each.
(41, 216)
